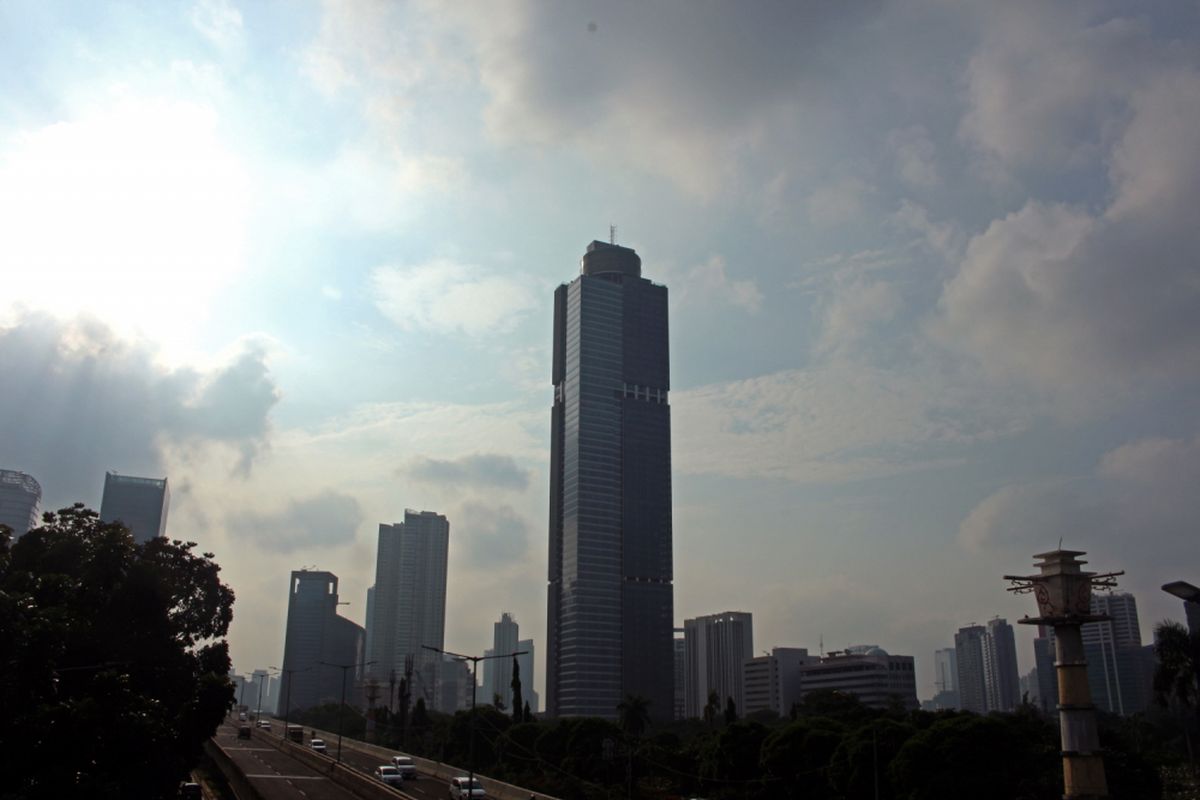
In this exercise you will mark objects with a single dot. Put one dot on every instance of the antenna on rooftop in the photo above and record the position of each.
(612, 234)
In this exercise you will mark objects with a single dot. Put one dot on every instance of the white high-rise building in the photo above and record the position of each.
(408, 609)
(772, 682)
(716, 649)
(20, 501)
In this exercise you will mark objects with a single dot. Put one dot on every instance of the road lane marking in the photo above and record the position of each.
(291, 777)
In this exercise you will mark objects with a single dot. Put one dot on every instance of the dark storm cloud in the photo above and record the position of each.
(76, 400)
(328, 519)
(484, 469)
(490, 536)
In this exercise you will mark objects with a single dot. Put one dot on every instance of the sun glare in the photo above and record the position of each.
(135, 214)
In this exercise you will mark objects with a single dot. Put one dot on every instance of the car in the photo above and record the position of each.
(264, 723)
(389, 775)
(190, 791)
(242, 717)
(459, 791)
(318, 745)
(408, 770)
(243, 731)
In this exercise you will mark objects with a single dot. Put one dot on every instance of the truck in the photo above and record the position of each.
(295, 733)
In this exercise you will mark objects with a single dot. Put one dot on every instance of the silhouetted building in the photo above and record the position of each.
(317, 638)
(680, 673)
(945, 681)
(1046, 679)
(505, 634)
(972, 683)
(772, 682)
(526, 661)
(1001, 676)
(877, 679)
(1119, 673)
(717, 647)
(20, 501)
(139, 503)
(610, 604)
(409, 608)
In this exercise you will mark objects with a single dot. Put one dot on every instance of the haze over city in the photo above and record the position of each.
(931, 269)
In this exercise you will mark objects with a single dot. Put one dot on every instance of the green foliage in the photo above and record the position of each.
(326, 717)
(634, 714)
(861, 760)
(798, 756)
(518, 703)
(112, 667)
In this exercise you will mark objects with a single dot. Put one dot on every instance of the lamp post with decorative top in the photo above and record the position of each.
(1064, 596)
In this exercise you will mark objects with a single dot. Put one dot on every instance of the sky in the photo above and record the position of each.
(934, 289)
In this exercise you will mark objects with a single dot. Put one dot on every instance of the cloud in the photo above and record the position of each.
(1081, 302)
(710, 283)
(838, 202)
(78, 400)
(219, 21)
(856, 307)
(915, 156)
(481, 470)
(442, 296)
(328, 519)
(489, 536)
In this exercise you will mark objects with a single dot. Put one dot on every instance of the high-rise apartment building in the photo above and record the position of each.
(610, 604)
(316, 638)
(1001, 676)
(717, 647)
(20, 501)
(408, 609)
(140, 503)
(1120, 671)
(772, 682)
(968, 652)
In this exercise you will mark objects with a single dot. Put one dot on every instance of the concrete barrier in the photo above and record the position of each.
(238, 782)
(360, 783)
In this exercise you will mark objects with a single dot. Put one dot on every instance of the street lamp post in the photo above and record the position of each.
(287, 695)
(474, 691)
(342, 707)
(258, 713)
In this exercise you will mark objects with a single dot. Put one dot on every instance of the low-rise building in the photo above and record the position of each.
(877, 679)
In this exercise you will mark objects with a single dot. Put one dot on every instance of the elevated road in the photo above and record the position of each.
(274, 774)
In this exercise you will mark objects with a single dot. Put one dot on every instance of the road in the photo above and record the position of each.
(274, 774)
(426, 787)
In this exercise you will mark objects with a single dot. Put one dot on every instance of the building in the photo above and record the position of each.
(680, 673)
(1120, 674)
(968, 652)
(498, 678)
(1046, 679)
(140, 503)
(455, 685)
(20, 501)
(317, 638)
(526, 661)
(945, 680)
(772, 682)
(408, 612)
(1001, 676)
(716, 650)
(610, 603)
(877, 679)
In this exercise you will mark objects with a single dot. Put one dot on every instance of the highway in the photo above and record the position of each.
(426, 787)
(274, 774)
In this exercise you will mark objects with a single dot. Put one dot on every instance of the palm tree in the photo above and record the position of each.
(635, 714)
(1177, 677)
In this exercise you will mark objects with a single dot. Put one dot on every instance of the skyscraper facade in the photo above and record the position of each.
(1120, 672)
(969, 653)
(140, 503)
(505, 634)
(610, 604)
(408, 610)
(316, 638)
(526, 661)
(20, 501)
(1001, 676)
(718, 647)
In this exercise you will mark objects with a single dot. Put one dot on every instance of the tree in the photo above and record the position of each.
(712, 707)
(634, 714)
(111, 651)
(730, 711)
(1177, 677)
(518, 712)
(527, 715)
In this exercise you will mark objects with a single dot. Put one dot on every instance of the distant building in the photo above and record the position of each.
(316, 638)
(610, 599)
(945, 681)
(526, 661)
(20, 501)
(139, 503)
(680, 673)
(1046, 678)
(454, 687)
(409, 608)
(505, 634)
(772, 682)
(877, 679)
(1001, 676)
(717, 647)
(1120, 675)
(972, 683)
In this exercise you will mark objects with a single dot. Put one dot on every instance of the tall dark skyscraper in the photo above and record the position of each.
(140, 503)
(316, 637)
(610, 600)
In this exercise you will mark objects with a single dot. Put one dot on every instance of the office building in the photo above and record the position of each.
(20, 501)
(139, 503)
(945, 680)
(1120, 674)
(680, 673)
(408, 611)
(317, 638)
(526, 661)
(498, 680)
(868, 672)
(455, 684)
(969, 653)
(1001, 677)
(610, 605)
(1046, 677)
(772, 682)
(717, 647)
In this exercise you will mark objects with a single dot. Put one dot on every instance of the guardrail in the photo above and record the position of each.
(360, 783)
(238, 782)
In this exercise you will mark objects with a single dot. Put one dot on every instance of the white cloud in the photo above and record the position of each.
(443, 296)
(915, 156)
(709, 282)
(855, 309)
(838, 202)
(219, 21)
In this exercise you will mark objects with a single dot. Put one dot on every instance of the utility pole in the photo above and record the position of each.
(342, 707)
(474, 682)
